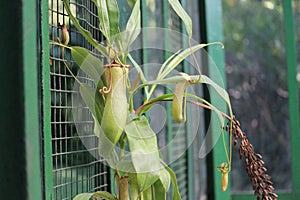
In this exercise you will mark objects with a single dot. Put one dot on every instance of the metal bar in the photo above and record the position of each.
(214, 30)
(293, 92)
(46, 105)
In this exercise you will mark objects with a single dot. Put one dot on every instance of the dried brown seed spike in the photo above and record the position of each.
(271, 188)
(273, 195)
(227, 128)
(258, 155)
(235, 142)
(258, 198)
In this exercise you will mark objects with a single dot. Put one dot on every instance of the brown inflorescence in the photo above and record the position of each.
(261, 183)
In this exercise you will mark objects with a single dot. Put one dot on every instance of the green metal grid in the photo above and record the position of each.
(74, 170)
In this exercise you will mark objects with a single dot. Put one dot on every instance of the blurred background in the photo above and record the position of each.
(257, 81)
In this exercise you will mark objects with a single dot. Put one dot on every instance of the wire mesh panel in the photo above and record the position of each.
(74, 168)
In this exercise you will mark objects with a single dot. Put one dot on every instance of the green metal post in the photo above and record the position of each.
(20, 169)
(30, 73)
(214, 32)
(293, 92)
(46, 111)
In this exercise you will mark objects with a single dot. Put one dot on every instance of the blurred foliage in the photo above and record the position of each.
(257, 83)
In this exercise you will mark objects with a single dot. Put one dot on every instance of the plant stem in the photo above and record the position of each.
(123, 188)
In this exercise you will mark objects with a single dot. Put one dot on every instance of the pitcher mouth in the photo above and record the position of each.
(116, 65)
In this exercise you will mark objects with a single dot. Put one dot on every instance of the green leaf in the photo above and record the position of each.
(97, 127)
(95, 105)
(108, 14)
(133, 26)
(159, 191)
(149, 104)
(104, 195)
(181, 56)
(137, 68)
(83, 196)
(222, 92)
(143, 146)
(176, 194)
(113, 14)
(131, 3)
(165, 179)
(183, 16)
(147, 194)
(86, 34)
(89, 63)
(134, 187)
(125, 168)
(166, 62)
(201, 79)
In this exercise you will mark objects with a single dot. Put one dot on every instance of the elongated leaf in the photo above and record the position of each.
(89, 63)
(83, 196)
(95, 105)
(176, 194)
(165, 179)
(222, 92)
(86, 34)
(183, 15)
(147, 194)
(97, 127)
(137, 68)
(113, 14)
(131, 3)
(108, 14)
(134, 187)
(149, 105)
(203, 79)
(159, 192)
(181, 56)
(144, 150)
(133, 27)
(166, 62)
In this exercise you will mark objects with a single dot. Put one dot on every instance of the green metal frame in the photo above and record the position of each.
(47, 151)
(31, 103)
(293, 93)
(214, 32)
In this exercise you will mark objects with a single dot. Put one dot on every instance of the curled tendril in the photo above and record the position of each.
(106, 90)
